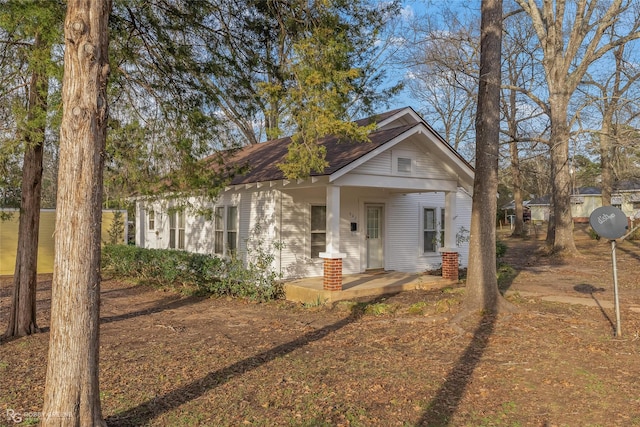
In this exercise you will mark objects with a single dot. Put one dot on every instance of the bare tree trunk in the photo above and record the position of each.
(516, 179)
(482, 284)
(563, 241)
(22, 315)
(606, 154)
(72, 396)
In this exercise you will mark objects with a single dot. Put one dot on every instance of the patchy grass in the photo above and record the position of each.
(171, 360)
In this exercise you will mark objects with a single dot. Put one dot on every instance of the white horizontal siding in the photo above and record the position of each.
(296, 234)
(404, 230)
(463, 225)
(424, 165)
(284, 216)
(198, 233)
(379, 165)
(258, 226)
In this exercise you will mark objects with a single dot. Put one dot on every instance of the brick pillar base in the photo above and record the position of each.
(332, 274)
(450, 265)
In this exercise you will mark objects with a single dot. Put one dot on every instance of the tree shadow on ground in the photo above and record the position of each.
(170, 303)
(445, 403)
(147, 411)
(630, 252)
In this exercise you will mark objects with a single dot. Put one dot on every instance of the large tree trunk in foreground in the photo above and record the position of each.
(563, 242)
(22, 315)
(72, 396)
(482, 284)
(516, 179)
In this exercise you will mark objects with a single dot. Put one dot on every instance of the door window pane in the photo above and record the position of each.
(373, 223)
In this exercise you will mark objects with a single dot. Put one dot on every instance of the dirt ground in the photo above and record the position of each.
(168, 360)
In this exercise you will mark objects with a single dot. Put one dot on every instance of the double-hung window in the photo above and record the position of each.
(176, 230)
(152, 220)
(225, 230)
(318, 230)
(429, 230)
(232, 228)
(218, 244)
(432, 229)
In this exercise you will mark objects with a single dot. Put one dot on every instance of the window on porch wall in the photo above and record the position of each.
(318, 230)
(152, 220)
(433, 232)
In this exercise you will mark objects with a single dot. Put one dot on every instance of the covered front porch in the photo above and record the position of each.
(374, 236)
(371, 283)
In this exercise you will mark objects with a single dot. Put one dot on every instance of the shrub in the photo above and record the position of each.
(501, 249)
(162, 267)
(256, 279)
(592, 234)
(199, 274)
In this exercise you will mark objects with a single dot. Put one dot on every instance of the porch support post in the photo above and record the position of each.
(332, 256)
(450, 251)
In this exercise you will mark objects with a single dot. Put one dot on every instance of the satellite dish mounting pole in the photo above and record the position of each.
(611, 223)
(615, 287)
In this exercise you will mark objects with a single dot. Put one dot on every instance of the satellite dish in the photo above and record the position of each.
(609, 222)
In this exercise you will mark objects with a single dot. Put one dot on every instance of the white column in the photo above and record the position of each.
(450, 221)
(332, 249)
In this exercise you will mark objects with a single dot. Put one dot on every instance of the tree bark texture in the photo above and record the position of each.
(563, 241)
(72, 395)
(516, 179)
(22, 314)
(482, 285)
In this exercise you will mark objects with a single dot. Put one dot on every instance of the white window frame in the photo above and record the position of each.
(225, 230)
(218, 230)
(439, 230)
(151, 220)
(317, 232)
(177, 226)
(231, 232)
(397, 156)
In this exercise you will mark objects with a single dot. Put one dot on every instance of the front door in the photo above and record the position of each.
(374, 236)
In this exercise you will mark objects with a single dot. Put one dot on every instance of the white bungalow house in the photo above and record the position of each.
(399, 202)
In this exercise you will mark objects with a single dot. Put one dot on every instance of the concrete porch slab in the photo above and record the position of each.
(309, 290)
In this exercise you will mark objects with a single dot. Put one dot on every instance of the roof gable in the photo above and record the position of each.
(262, 159)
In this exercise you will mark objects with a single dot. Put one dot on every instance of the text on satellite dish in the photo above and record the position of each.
(606, 217)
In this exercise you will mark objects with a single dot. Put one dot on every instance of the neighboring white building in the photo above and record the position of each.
(625, 195)
(395, 203)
